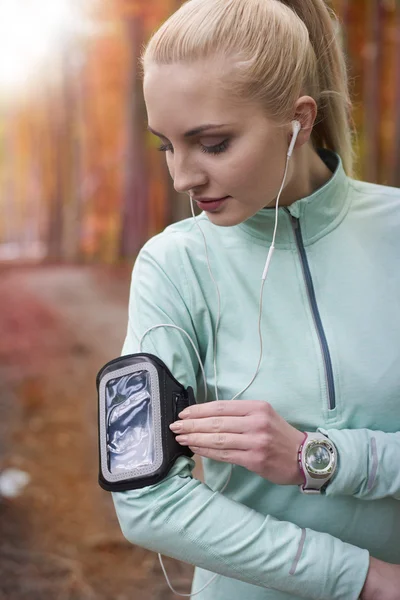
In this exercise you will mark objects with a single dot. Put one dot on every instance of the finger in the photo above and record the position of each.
(217, 441)
(219, 408)
(211, 425)
(235, 457)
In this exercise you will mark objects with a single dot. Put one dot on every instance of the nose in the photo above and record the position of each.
(186, 176)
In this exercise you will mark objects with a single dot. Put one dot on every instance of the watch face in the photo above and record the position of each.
(319, 458)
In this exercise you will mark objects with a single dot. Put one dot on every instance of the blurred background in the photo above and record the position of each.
(82, 188)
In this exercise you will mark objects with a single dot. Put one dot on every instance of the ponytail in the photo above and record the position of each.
(332, 128)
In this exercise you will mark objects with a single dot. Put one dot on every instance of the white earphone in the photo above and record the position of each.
(296, 127)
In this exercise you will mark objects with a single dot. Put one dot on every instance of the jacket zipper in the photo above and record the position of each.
(315, 312)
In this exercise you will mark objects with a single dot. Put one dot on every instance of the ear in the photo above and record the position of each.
(305, 111)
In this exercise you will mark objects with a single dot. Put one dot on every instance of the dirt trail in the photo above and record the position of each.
(60, 539)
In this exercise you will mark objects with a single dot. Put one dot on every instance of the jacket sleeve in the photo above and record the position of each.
(368, 463)
(185, 519)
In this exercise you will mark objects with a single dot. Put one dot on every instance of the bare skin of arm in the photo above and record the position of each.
(383, 581)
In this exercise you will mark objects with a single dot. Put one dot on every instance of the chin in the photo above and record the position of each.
(226, 218)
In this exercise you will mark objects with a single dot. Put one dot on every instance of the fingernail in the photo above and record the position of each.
(184, 413)
(176, 426)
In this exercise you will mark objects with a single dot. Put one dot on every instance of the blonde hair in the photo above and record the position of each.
(282, 49)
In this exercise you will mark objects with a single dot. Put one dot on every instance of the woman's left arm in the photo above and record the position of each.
(368, 463)
(250, 433)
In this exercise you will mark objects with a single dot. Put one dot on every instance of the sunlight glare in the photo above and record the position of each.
(30, 32)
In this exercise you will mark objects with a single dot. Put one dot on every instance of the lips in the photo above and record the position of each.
(211, 205)
(204, 200)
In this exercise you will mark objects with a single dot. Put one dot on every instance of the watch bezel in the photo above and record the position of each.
(321, 473)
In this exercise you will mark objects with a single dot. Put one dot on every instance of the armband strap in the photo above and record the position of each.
(138, 398)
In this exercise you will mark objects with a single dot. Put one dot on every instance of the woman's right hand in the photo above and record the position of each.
(382, 582)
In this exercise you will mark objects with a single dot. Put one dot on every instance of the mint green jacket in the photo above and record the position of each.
(331, 363)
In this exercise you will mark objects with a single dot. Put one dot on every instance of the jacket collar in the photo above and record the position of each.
(318, 214)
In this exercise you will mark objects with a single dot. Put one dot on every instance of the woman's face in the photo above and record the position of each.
(243, 154)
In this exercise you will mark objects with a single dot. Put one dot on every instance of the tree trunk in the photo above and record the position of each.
(55, 220)
(395, 176)
(8, 203)
(373, 58)
(135, 194)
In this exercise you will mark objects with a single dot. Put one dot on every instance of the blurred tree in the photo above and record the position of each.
(8, 164)
(56, 221)
(372, 95)
(135, 195)
(79, 169)
(395, 171)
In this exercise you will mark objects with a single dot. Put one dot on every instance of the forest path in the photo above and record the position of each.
(60, 539)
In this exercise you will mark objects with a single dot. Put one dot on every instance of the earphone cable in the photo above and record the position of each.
(266, 268)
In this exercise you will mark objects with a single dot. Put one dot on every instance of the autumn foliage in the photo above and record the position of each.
(80, 179)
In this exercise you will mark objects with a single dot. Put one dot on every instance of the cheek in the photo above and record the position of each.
(255, 171)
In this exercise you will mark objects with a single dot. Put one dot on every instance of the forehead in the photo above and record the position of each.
(181, 96)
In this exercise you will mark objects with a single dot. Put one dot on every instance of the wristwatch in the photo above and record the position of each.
(317, 458)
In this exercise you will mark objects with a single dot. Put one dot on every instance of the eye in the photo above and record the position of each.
(217, 149)
(165, 148)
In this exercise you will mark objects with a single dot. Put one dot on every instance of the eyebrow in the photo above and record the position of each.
(191, 132)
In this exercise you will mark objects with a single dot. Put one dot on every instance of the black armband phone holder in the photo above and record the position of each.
(138, 398)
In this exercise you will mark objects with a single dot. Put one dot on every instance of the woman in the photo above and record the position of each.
(223, 82)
